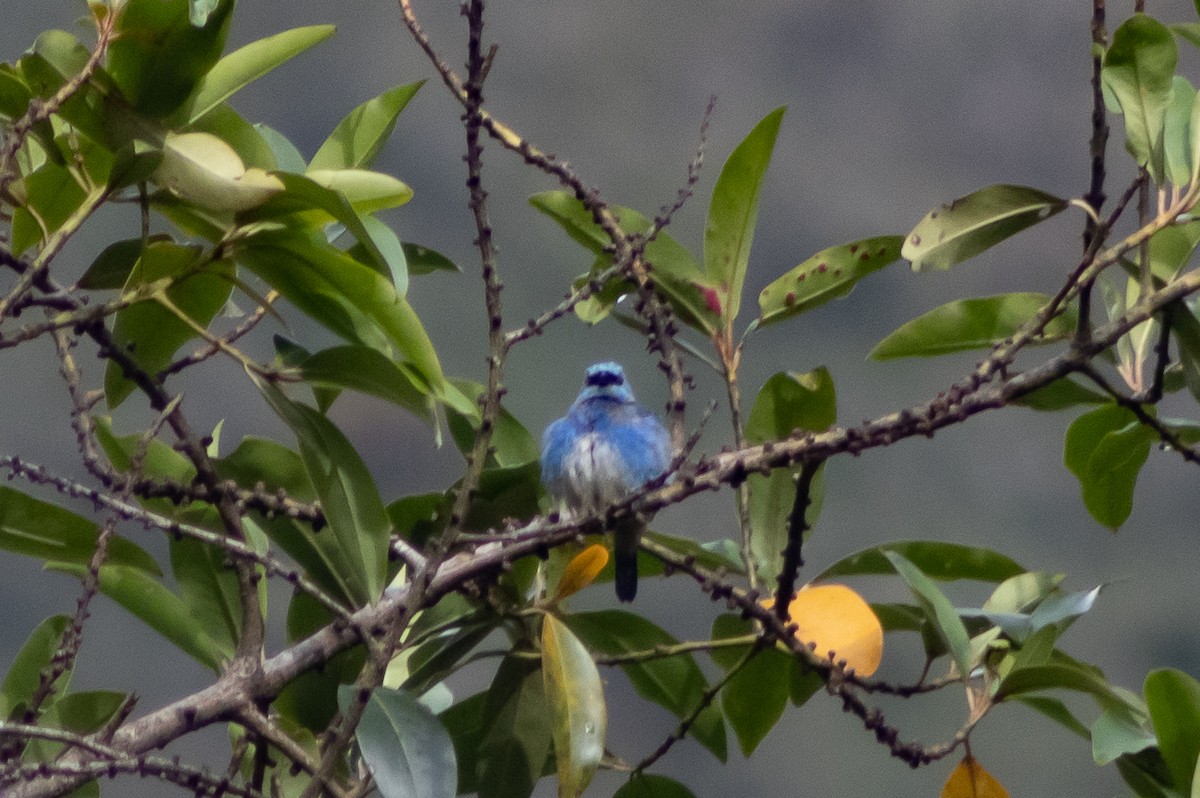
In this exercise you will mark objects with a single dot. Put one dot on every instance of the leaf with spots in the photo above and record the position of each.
(829, 274)
(961, 229)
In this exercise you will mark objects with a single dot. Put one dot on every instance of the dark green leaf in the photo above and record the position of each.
(938, 610)
(753, 700)
(1061, 394)
(348, 496)
(249, 63)
(1147, 775)
(650, 785)
(1138, 67)
(39, 529)
(112, 267)
(1060, 676)
(466, 723)
(675, 683)
(362, 369)
(937, 560)
(24, 674)
(1173, 698)
(513, 751)
(357, 139)
(158, 57)
(971, 324)
(969, 225)
(829, 274)
(149, 331)
(1187, 338)
(733, 211)
(154, 605)
(788, 401)
(504, 494)
(1105, 449)
(405, 746)
(208, 586)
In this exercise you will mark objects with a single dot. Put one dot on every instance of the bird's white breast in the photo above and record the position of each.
(595, 474)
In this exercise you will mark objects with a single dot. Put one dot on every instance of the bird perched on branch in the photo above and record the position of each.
(603, 449)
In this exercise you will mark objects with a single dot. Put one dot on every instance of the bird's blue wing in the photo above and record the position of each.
(644, 445)
(557, 441)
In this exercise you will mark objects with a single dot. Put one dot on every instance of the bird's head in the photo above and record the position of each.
(605, 381)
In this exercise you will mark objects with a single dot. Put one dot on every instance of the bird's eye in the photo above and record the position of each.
(604, 378)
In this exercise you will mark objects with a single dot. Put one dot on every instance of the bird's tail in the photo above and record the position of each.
(625, 548)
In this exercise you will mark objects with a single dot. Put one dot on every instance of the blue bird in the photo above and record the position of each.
(603, 449)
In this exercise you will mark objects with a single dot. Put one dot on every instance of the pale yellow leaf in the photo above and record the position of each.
(579, 716)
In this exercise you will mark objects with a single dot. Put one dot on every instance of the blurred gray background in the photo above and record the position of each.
(894, 107)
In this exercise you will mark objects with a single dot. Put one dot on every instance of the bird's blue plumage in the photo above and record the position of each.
(603, 449)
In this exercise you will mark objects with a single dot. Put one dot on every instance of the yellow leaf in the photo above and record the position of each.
(970, 780)
(581, 570)
(837, 619)
(579, 715)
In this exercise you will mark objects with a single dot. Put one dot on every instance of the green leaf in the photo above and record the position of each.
(405, 746)
(969, 225)
(158, 56)
(513, 750)
(1061, 394)
(24, 675)
(1177, 132)
(787, 401)
(112, 267)
(1188, 31)
(1105, 449)
(208, 586)
(149, 331)
(733, 211)
(937, 560)
(971, 324)
(389, 245)
(154, 605)
(675, 683)
(938, 610)
(357, 139)
(651, 785)
(677, 274)
(1117, 732)
(366, 191)
(249, 63)
(39, 529)
(423, 260)
(829, 274)
(1060, 676)
(307, 204)
(512, 443)
(504, 493)
(46, 199)
(348, 495)
(752, 700)
(353, 300)
(363, 369)
(1186, 327)
(577, 707)
(1138, 68)
(1173, 698)
(1057, 711)
(283, 152)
